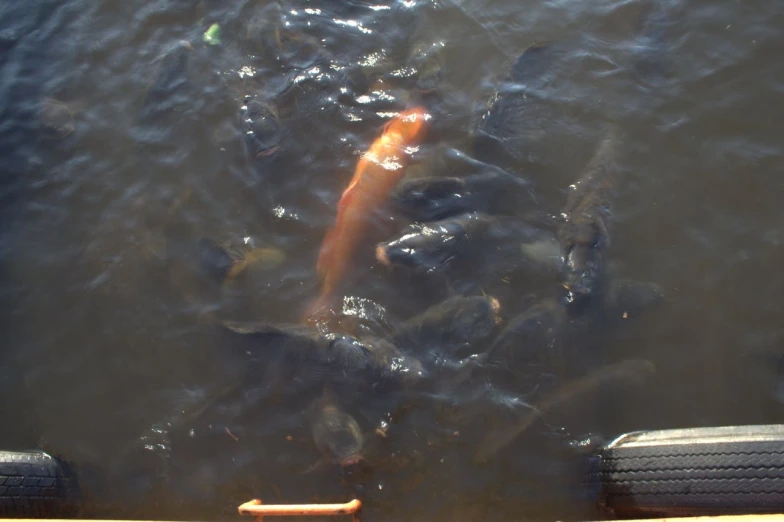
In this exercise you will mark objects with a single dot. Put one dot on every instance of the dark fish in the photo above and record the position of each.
(480, 407)
(631, 371)
(336, 433)
(196, 268)
(433, 246)
(530, 344)
(491, 192)
(508, 129)
(446, 338)
(283, 358)
(203, 256)
(376, 356)
(164, 124)
(584, 230)
(207, 258)
(428, 199)
(427, 61)
(263, 131)
(164, 95)
(312, 359)
(292, 361)
(473, 240)
(546, 339)
(214, 260)
(362, 317)
(279, 39)
(456, 323)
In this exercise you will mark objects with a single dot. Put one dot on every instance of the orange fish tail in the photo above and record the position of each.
(325, 254)
(317, 308)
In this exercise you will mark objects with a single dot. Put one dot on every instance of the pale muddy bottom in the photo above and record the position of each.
(118, 140)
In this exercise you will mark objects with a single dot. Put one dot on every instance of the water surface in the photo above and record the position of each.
(103, 346)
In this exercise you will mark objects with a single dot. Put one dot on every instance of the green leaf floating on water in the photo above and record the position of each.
(212, 35)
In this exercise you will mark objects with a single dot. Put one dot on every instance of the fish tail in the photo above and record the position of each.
(317, 466)
(352, 460)
(325, 254)
(317, 307)
(236, 269)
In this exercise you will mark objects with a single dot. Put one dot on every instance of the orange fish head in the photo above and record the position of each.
(410, 124)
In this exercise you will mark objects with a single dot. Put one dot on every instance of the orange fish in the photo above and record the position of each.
(376, 175)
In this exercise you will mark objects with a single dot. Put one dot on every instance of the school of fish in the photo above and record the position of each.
(481, 357)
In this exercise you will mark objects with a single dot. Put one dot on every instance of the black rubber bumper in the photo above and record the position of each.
(33, 484)
(731, 470)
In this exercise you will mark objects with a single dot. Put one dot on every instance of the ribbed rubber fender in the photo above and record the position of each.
(33, 484)
(708, 476)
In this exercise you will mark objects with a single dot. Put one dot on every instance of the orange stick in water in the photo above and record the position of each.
(255, 507)
(376, 175)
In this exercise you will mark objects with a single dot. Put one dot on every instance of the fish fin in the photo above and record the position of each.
(319, 465)
(348, 193)
(251, 328)
(388, 125)
(266, 258)
(446, 285)
(604, 230)
(236, 269)
(500, 437)
(325, 255)
(317, 308)
(373, 437)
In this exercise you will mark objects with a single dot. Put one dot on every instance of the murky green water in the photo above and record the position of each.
(105, 338)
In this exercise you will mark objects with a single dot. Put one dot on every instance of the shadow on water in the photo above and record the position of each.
(155, 186)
